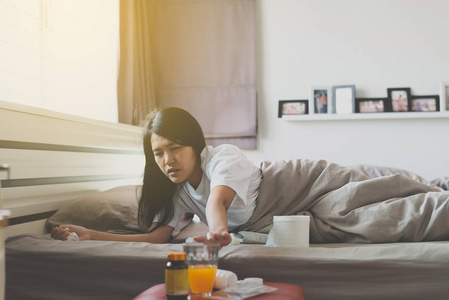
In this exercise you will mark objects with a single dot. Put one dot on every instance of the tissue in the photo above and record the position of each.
(225, 279)
(73, 237)
(4, 213)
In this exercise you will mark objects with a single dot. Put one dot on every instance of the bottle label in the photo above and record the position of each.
(176, 282)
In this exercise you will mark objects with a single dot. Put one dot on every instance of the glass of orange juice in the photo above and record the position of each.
(202, 260)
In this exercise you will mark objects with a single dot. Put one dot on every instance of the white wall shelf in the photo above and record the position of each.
(368, 116)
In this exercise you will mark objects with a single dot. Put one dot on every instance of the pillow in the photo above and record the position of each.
(113, 211)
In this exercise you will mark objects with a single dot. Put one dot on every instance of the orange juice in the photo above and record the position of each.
(201, 278)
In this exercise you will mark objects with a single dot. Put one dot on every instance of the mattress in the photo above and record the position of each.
(38, 267)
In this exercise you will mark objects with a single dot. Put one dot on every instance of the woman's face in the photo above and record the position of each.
(179, 163)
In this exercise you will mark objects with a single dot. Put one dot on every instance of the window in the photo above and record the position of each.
(60, 55)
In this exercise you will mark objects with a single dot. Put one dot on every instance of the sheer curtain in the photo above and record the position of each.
(203, 60)
(135, 84)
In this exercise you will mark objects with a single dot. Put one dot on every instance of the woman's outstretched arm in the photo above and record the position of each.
(219, 200)
(160, 235)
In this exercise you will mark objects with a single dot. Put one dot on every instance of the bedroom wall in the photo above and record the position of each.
(372, 44)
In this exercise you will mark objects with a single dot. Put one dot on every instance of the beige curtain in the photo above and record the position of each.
(203, 60)
(135, 86)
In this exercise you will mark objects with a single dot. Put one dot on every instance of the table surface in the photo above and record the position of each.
(285, 291)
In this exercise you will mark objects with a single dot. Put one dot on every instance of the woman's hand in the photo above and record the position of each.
(217, 206)
(62, 232)
(222, 238)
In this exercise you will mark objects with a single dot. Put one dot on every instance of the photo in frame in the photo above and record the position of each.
(444, 96)
(293, 107)
(320, 100)
(425, 103)
(399, 99)
(343, 99)
(371, 105)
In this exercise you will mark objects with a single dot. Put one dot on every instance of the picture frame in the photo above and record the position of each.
(293, 107)
(343, 99)
(444, 96)
(399, 99)
(430, 103)
(320, 100)
(371, 105)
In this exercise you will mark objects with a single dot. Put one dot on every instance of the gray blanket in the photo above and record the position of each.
(362, 204)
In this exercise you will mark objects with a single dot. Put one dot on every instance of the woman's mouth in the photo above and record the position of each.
(172, 172)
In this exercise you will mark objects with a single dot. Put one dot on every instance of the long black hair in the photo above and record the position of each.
(158, 190)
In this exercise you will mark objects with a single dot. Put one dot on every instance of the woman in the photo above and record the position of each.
(359, 204)
(183, 175)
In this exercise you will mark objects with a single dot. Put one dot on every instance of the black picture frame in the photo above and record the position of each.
(342, 101)
(399, 99)
(371, 105)
(293, 107)
(429, 103)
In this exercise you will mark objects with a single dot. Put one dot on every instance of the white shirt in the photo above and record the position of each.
(223, 165)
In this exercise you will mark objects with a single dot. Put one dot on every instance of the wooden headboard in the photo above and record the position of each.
(48, 159)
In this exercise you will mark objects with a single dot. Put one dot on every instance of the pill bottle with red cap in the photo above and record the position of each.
(176, 276)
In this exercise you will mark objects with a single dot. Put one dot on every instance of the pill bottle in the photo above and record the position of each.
(176, 276)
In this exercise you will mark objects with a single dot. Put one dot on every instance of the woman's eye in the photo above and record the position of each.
(158, 154)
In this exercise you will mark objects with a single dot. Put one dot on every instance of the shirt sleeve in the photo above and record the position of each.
(175, 221)
(230, 167)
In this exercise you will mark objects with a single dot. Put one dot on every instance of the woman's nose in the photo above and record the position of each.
(168, 159)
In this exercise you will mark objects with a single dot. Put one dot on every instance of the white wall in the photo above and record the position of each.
(373, 44)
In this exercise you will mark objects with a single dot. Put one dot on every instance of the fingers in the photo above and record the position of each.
(60, 233)
(200, 239)
(218, 238)
(223, 238)
(206, 239)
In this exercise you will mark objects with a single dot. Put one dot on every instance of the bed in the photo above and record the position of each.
(66, 169)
